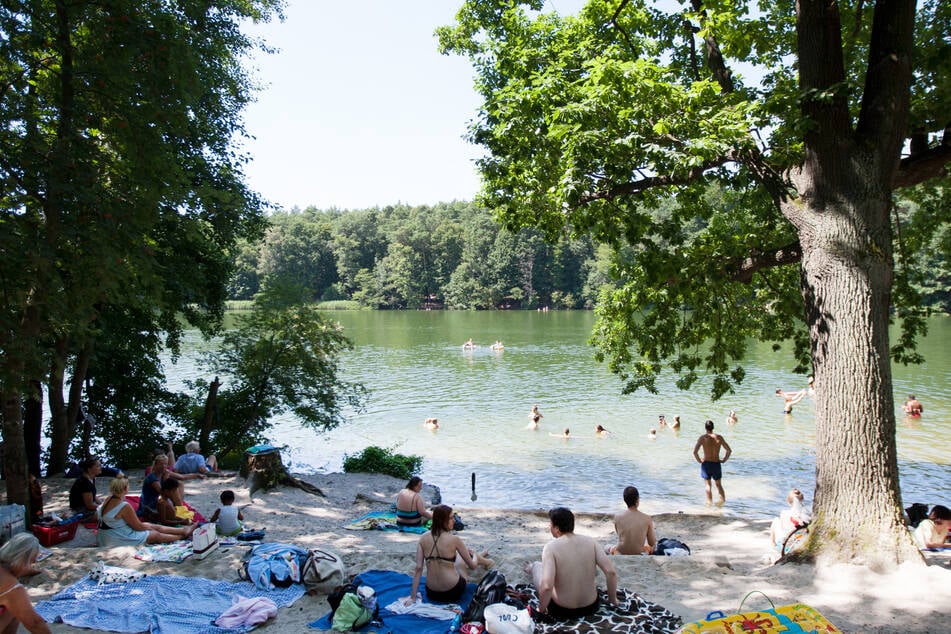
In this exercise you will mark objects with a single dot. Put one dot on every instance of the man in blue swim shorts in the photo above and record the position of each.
(710, 462)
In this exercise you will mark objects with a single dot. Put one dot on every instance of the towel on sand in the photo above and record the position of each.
(384, 521)
(390, 586)
(160, 604)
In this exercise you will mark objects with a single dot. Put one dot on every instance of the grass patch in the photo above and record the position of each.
(339, 304)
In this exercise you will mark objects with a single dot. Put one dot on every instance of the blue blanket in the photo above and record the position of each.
(390, 586)
(163, 603)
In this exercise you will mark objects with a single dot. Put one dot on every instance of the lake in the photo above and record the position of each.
(415, 368)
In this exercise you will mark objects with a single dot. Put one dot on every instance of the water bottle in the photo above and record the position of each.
(456, 623)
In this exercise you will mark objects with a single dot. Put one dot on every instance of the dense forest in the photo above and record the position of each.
(455, 255)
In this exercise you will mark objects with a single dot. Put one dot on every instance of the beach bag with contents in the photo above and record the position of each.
(492, 589)
(322, 571)
(350, 614)
(502, 618)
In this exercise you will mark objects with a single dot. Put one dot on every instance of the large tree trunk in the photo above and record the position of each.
(14, 451)
(59, 424)
(211, 413)
(33, 428)
(846, 281)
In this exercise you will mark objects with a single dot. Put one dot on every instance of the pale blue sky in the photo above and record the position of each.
(359, 109)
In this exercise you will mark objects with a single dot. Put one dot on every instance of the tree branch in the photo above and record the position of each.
(649, 182)
(760, 260)
(617, 26)
(923, 166)
(714, 57)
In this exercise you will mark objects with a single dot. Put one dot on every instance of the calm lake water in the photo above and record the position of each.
(415, 368)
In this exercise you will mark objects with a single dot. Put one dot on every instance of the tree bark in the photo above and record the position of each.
(267, 471)
(14, 450)
(33, 428)
(59, 424)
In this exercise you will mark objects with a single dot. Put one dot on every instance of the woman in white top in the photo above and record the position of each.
(790, 519)
(120, 526)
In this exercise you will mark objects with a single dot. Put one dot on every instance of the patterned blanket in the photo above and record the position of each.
(384, 521)
(176, 551)
(633, 614)
(157, 604)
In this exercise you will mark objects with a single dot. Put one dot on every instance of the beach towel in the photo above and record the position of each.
(391, 586)
(176, 551)
(384, 521)
(796, 617)
(633, 614)
(160, 604)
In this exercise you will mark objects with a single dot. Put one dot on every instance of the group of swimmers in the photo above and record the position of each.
(470, 345)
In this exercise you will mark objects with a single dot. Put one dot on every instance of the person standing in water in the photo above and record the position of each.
(710, 463)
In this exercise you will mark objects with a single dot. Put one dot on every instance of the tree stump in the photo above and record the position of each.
(264, 471)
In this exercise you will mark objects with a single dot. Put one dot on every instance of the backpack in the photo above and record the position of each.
(668, 543)
(336, 595)
(321, 570)
(491, 589)
(350, 614)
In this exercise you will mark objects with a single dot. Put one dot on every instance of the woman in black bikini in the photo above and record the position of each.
(445, 557)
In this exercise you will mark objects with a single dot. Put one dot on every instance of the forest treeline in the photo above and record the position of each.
(455, 255)
(451, 255)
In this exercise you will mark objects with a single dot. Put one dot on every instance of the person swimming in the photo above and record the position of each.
(432, 423)
(468, 345)
(565, 435)
(601, 432)
(498, 345)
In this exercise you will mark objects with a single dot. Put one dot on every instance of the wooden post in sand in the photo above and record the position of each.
(266, 470)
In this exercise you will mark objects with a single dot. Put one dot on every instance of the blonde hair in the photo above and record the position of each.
(118, 486)
(19, 550)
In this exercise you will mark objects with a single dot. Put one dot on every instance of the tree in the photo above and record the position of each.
(737, 209)
(121, 185)
(283, 355)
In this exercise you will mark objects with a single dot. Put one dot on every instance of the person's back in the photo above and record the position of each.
(635, 532)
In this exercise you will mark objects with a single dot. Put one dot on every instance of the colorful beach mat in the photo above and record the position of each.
(384, 521)
(176, 551)
(796, 617)
(162, 604)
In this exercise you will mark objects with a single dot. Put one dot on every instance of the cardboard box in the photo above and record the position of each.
(55, 534)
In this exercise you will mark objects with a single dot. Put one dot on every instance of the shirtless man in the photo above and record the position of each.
(566, 575)
(710, 463)
(912, 407)
(790, 398)
(635, 530)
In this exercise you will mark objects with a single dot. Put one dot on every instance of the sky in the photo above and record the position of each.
(358, 109)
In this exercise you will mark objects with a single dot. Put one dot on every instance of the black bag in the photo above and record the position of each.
(336, 595)
(458, 524)
(668, 543)
(492, 589)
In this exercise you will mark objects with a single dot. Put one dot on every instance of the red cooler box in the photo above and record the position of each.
(55, 534)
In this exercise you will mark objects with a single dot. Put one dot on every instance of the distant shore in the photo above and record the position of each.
(726, 562)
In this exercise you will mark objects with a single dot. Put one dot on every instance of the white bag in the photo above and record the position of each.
(502, 618)
(204, 540)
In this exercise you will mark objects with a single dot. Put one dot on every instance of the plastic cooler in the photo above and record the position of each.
(55, 534)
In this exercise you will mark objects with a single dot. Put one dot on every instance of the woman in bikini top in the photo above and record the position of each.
(17, 558)
(410, 510)
(447, 562)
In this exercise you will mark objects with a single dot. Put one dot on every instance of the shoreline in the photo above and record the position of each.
(726, 561)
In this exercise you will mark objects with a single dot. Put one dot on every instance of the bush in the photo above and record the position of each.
(339, 304)
(378, 460)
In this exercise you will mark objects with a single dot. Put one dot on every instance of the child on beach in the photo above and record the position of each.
(227, 518)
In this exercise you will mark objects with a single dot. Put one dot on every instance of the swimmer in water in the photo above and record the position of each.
(790, 398)
(661, 421)
(498, 345)
(565, 435)
(676, 423)
(468, 345)
(731, 419)
(601, 432)
(652, 434)
(912, 407)
(432, 423)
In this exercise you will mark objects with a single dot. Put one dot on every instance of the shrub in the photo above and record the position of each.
(379, 460)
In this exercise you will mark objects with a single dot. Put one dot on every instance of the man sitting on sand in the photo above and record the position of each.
(635, 530)
(194, 462)
(565, 577)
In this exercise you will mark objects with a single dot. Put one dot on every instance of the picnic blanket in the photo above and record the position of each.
(390, 586)
(384, 521)
(633, 614)
(176, 551)
(160, 604)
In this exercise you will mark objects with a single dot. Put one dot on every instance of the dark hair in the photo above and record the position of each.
(413, 482)
(87, 464)
(708, 425)
(631, 496)
(441, 513)
(169, 484)
(939, 512)
(226, 496)
(562, 519)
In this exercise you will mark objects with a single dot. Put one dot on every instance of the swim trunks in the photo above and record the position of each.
(557, 612)
(447, 596)
(710, 470)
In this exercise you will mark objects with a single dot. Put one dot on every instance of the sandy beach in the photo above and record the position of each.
(727, 560)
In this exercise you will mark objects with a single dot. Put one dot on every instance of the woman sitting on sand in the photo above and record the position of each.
(16, 560)
(444, 556)
(120, 526)
(152, 487)
(790, 519)
(410, 509)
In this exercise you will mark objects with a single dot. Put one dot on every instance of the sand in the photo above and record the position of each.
(726, 564)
